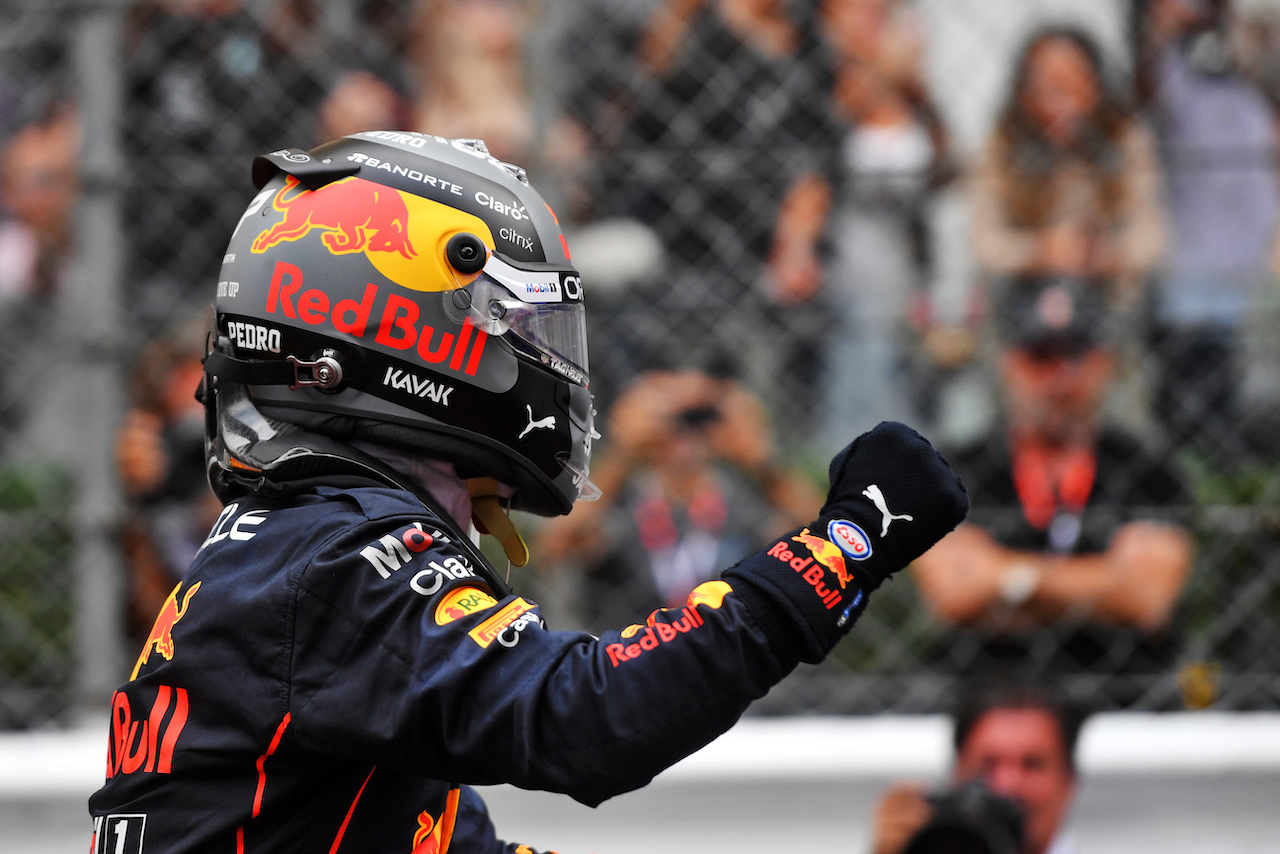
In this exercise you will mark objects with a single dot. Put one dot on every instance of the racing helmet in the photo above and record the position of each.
(405, 290)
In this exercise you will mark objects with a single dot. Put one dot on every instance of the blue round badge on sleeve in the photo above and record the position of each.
(849, 538)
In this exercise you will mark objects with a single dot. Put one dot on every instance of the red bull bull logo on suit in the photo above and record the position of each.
(161, 637)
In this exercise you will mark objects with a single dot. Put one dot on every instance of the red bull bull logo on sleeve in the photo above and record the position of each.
(664, 626)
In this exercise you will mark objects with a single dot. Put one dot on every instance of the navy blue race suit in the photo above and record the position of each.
(337, 667)
(340, 664)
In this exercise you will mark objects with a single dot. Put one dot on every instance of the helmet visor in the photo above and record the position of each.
(542, 308)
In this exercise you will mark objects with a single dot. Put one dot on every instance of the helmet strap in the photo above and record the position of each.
(490, 517)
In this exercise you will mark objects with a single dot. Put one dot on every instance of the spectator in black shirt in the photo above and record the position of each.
(1073, 557)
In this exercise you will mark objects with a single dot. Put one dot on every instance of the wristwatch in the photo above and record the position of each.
(1018, 581)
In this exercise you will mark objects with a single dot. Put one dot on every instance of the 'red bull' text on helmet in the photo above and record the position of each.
(408, 291)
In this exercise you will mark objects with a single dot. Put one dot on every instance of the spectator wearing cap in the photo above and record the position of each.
(1073, 556)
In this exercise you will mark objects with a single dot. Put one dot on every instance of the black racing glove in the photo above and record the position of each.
(892, 496)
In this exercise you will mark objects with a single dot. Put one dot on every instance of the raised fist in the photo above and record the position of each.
(892, 496)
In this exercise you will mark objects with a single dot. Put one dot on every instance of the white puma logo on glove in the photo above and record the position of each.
(877, 498)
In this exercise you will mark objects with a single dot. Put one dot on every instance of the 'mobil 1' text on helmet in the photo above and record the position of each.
(405, 290)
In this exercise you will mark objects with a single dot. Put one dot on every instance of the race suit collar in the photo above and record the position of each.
(437, 477)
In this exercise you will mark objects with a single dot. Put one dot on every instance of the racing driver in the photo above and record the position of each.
(399, 360)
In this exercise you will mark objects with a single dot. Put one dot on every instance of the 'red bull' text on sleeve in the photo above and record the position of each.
(335, 671)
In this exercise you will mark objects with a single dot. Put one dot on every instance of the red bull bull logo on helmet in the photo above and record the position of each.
(402, 235)
(355, 216)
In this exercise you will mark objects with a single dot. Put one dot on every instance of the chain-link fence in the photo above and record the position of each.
(849, 210)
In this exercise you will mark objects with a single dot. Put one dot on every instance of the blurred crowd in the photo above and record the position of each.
(788, 243)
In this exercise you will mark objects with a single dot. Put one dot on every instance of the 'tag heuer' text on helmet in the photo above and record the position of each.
(409, 291)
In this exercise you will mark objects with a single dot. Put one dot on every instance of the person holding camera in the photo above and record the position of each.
(1012, 785)
(690, 479)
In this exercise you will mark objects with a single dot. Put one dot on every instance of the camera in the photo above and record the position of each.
(697, 417)
(970, 819)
